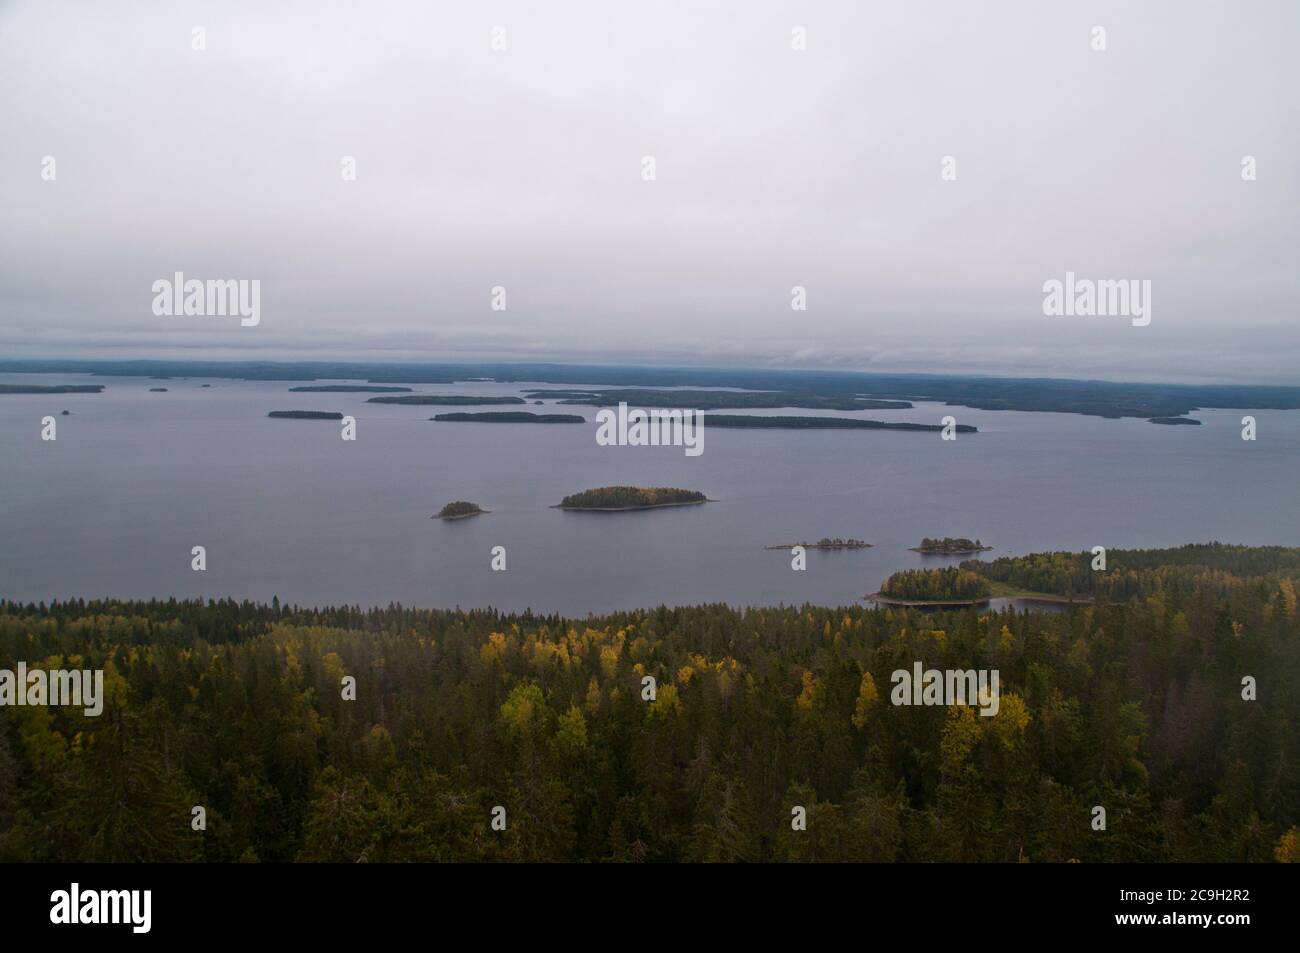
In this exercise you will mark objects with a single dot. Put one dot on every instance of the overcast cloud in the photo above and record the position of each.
(775, 168)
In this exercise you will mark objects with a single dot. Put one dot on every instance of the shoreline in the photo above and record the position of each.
(627, 509)
(883, 600)
(1043, 598)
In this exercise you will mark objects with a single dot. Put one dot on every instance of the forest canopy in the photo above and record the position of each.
(1134, 702)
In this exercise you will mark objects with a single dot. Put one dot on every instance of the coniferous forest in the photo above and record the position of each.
(1135, 703)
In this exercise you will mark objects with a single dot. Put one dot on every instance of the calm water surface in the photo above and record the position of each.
(285, 507)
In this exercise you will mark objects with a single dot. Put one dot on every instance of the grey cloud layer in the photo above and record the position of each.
(775, 168)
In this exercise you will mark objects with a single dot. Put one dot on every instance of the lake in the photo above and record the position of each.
(286, 508)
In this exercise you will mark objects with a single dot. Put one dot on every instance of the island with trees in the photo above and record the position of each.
(459, 510)
(510, 417)
(609, 499)
(1174, 420)
(826, 542)
(306, 415)
(934, 587)
(950, 546)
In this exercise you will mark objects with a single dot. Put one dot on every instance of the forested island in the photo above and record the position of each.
(951, 586)
(1174, 420)
(51, 388)
(824, 423)
(614, 498)
(445, 400)
(1135, 703)
(459, 509)
(346, 389)
(950, 546)
(714, 399)
(511, 417)
(157, 390)
(306, 414)
(825, 542)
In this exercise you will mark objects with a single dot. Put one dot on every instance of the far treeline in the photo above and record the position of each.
(1100, 398)
(714, 399)
(1135, 705)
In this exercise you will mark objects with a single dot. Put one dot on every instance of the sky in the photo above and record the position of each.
(523, 168)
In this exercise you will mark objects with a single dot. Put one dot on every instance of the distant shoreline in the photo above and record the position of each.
(1106, 399)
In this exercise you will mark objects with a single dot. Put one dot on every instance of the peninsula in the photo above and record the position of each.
(933, 587)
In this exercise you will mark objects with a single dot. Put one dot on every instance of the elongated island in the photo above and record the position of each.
(613, 499)
(825, 542)
(509, 417)
(445, 400)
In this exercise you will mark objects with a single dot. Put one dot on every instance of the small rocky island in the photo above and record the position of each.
(306, 415)
(826, 543)
(613, 499)
(950, 546)
(459, 510)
